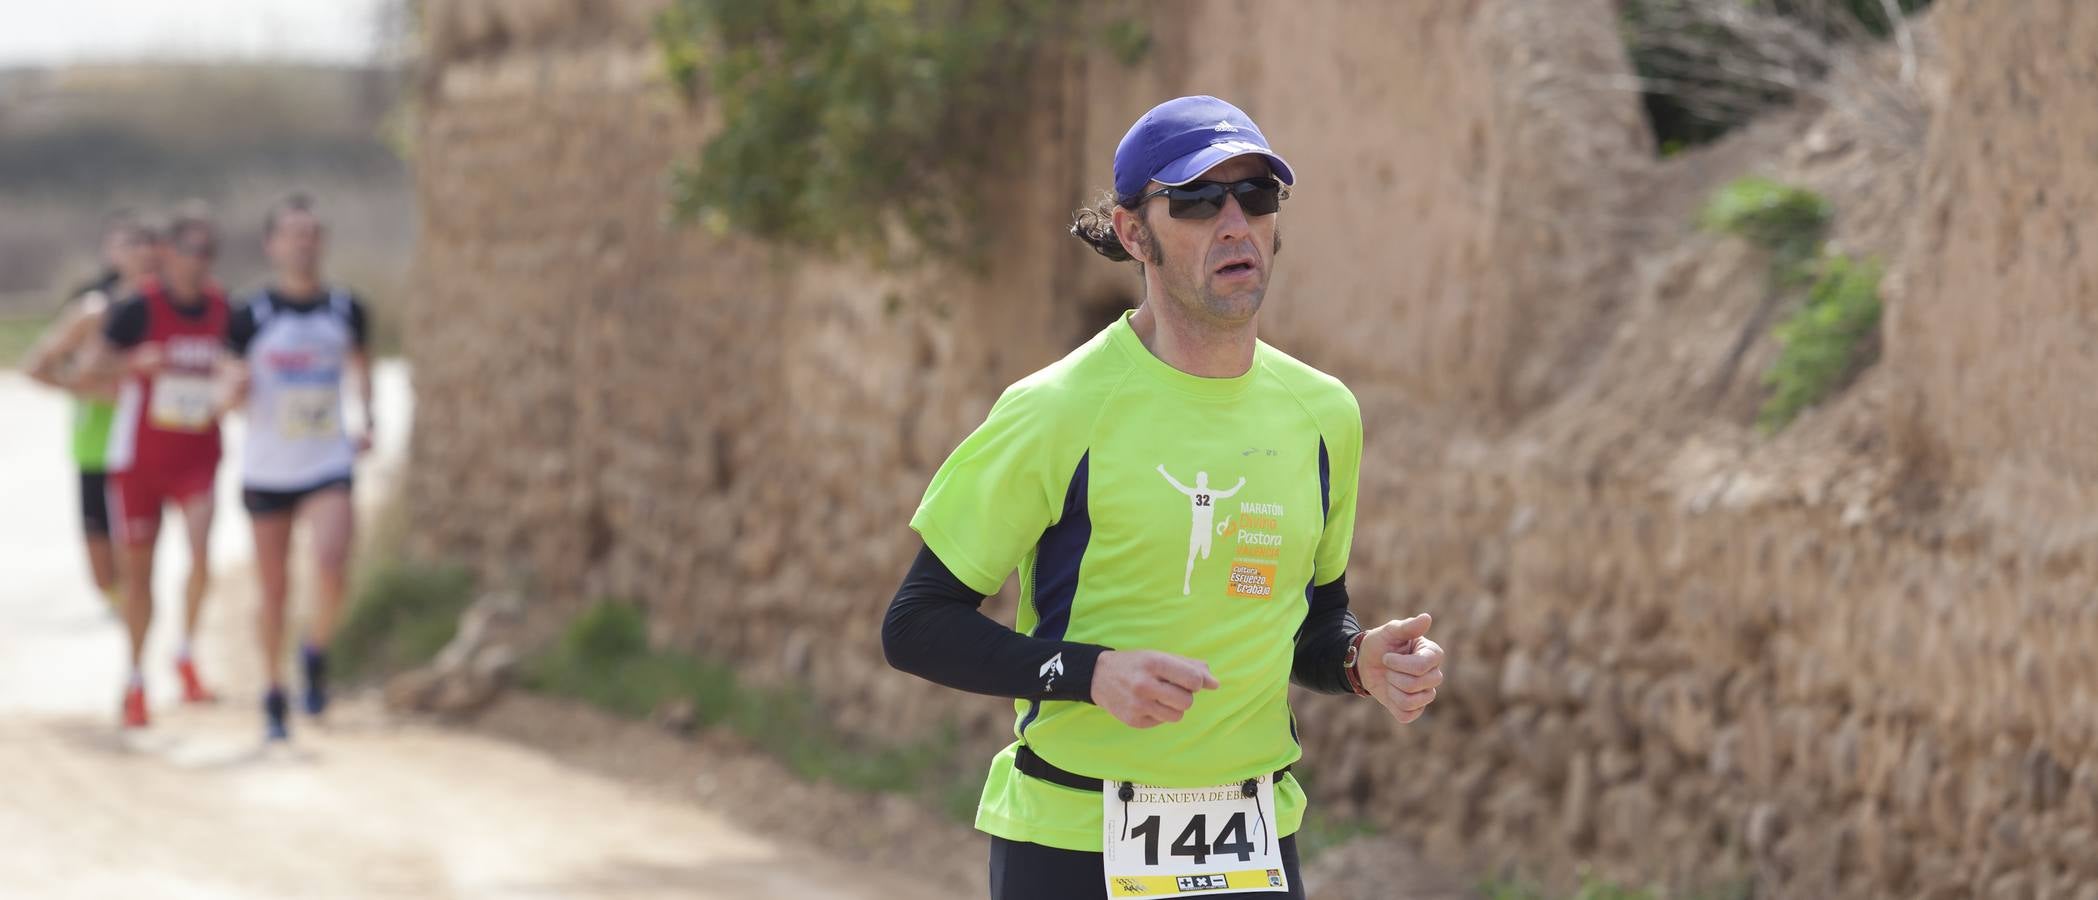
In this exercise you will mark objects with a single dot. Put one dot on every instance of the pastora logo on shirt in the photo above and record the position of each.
(1258, 550)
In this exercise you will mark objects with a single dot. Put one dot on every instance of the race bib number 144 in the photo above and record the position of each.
(1179, 842)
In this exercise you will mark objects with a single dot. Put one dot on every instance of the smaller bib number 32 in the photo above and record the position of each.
(1178, 842)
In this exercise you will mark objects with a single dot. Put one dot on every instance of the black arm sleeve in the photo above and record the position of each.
(935, 629)
(126, 324)
(360, 324)
(240, 328)
(1323, 641)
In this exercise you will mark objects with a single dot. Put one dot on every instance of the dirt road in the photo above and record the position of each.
(197, 806)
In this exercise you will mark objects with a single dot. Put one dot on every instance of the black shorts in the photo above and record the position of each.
(94, 503)
(1034, 872)
(270, 503)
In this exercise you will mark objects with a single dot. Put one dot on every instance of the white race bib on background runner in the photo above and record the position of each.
(181, 402)
(1178, 842)
(309, 413)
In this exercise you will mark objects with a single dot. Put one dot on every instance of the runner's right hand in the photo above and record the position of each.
(1143, 688)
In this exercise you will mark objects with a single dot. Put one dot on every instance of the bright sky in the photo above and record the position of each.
(46, 32)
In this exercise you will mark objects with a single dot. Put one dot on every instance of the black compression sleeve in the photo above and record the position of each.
(360, 324)
(240, 328)
(126, 325)
(1323, 641)
(935, 629)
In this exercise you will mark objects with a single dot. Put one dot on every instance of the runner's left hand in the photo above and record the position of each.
(1401, 667)
(145, 360)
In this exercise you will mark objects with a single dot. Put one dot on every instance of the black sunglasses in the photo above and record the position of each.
(1260, 196)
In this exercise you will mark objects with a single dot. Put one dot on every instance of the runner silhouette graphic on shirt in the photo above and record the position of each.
(1205, 512)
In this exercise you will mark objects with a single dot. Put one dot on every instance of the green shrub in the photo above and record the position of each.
(847, 122)
(1788, 221)
(1829, 338)
(1825, 342)
(608, 633)
(603, 659)
(1127, 39)
(400, 615)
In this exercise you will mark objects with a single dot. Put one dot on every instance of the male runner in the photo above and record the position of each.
(164, 442)
(1154, 730)
(295, 343)
(131, 250)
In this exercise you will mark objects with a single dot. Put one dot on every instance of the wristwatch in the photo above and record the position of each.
(1348, 661)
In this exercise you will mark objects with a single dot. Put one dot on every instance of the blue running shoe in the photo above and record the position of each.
(315, 662)
(276, 713)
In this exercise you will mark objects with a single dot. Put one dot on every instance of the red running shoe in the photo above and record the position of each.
(193, 689)
(135, 706)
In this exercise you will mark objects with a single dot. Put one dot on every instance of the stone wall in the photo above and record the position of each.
(2011, 184)
(1680, 654)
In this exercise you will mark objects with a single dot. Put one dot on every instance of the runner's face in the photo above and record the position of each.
(188, 261)
(135, 255)
(295, 247)
(1199, 254)
(113, 246)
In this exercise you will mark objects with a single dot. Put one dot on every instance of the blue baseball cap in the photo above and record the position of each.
(1181, 138)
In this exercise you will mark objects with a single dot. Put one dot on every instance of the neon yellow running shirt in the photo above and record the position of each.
(91, 422)
(1148, 509)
